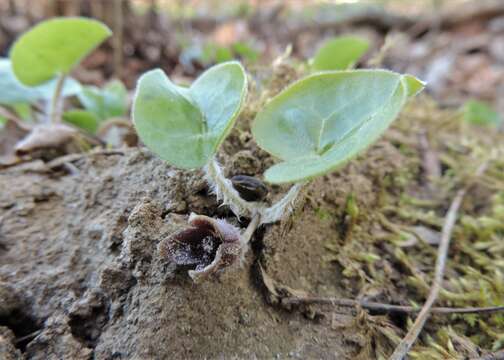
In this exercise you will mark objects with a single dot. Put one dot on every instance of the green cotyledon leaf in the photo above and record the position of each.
(54, 47)
(185, 126)
(322, 121)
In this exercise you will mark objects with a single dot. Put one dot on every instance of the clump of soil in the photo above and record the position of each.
(79, 257)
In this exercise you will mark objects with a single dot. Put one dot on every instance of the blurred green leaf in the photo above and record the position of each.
(480, 113)
(83, 119)
(213, 53)
(245, 51)
(340, 53)
(55, 47)
(24, 111)
(322, 121)
(107, 102)
(13, 92)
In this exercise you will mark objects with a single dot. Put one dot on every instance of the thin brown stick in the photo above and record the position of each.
(499, 355)
(371, 305)
(451, 217)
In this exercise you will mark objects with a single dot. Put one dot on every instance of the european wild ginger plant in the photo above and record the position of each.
(51, 50)
(313, 127)
(37, 73)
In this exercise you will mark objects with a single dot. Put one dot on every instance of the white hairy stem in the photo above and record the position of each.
(283, 207)
(251, 228)
(225, 192)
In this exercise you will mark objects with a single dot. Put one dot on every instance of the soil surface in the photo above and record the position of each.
(81, 276)
(83, 279)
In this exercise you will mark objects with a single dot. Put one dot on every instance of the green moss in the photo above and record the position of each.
(387, 257)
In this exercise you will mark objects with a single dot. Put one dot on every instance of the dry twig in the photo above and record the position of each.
(451, 217)
(376, 306)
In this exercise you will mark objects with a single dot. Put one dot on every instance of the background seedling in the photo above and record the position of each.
(20, 98)
(40, 61)
(314, 126)
(339, 53)
(52, 49)
(186, 126)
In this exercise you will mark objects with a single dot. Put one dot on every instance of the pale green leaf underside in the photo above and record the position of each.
(340, 53)
(322, 121)
(13, 92)
(185, 126)
(55, 47)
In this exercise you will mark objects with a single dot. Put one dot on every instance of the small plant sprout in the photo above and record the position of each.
(186, 126)
(51, 50)
(40, 62)
(15, 93)
(314, 127)
(340, 53)
(20, 100)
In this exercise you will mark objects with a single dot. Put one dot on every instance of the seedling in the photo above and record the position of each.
(51, 50)
(340, 53)
(314, 127)
(14, 93)
(38, 69)
(186, 126)
(20, 99)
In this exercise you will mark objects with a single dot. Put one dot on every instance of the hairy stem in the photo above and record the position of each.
(224, 190)
(54, 110)
(283, 206)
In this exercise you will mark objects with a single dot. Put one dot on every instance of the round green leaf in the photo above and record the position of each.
(324, 120)
(185, 126)
(55, 47)
(340, 53)
(13, 92)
